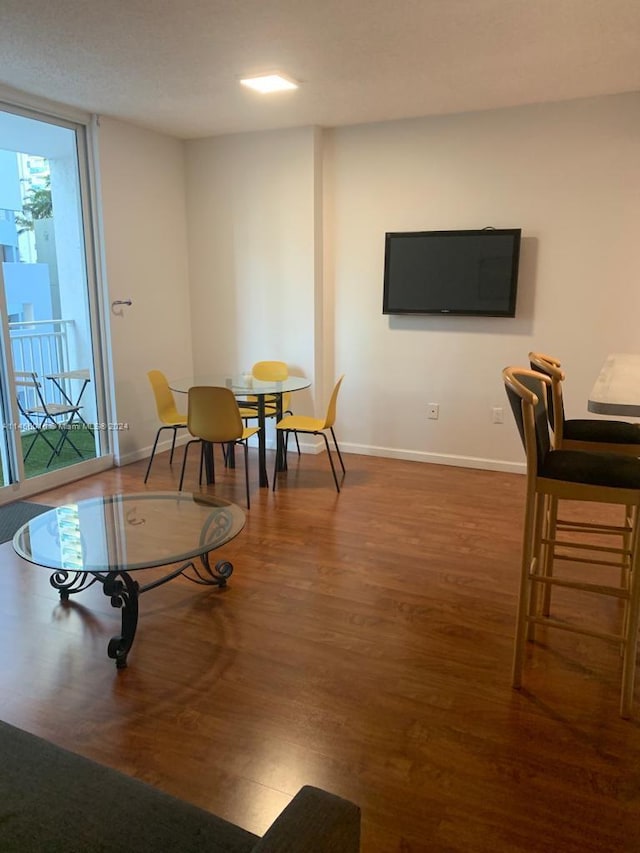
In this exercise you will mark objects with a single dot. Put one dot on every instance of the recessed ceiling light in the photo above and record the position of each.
(269, 83)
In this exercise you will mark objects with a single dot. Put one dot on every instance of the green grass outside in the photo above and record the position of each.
(36, 463)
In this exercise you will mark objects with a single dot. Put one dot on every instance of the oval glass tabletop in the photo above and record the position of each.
(128, 532)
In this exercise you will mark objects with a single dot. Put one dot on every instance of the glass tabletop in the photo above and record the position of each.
(241, 385)
(617, 389)
(128, 532)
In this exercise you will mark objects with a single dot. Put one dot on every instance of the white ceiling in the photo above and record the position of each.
(174, 65)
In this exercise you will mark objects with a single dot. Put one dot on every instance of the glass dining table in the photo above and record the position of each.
(244, 387)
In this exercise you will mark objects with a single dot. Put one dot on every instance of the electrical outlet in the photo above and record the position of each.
(433, 411)
(497, 415)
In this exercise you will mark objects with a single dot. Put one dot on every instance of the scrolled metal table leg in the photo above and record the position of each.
(67, 582)
(123, 592)
(207, 574)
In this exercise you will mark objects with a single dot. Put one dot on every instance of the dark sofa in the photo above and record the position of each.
(53, 800)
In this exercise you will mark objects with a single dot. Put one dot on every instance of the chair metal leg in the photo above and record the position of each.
(153, 453)
(329, 454)
(335, 441)
(246, 471)
(64, 430)
(184, 461)
(38, 432)
(173, 444)
(333, 467)
(295, 434)
(62, 437)
(275, 466)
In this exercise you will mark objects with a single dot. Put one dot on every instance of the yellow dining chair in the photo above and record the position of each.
(213, 417)
(314, 426)
(269, 371)
(168, 414)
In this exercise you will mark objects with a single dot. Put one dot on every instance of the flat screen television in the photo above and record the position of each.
(465, 273)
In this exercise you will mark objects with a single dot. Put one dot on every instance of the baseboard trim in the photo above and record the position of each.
(437, 458)
(145, 452)
(315, 447)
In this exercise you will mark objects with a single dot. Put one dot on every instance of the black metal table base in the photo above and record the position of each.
(281, 459)
(124, 591)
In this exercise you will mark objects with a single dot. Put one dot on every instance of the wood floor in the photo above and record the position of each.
(363, 645)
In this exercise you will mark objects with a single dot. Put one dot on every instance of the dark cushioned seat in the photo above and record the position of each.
(596, 469)
(609, 432)
(54, 801)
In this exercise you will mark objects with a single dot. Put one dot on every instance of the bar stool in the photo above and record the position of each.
(582, 433)
(594, 434)
(555, 475)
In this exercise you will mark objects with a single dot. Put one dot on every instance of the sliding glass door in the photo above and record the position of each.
(51, 383)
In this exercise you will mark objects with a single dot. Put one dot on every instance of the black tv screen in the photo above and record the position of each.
(468, 273)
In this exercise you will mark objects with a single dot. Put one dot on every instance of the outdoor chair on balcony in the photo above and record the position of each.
(50, 421)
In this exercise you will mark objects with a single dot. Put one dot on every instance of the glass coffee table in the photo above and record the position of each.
(106, 539)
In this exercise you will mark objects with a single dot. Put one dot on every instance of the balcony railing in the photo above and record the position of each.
(46, 347)
(42, 347)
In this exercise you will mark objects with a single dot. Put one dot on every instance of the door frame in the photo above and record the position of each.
(84, 126)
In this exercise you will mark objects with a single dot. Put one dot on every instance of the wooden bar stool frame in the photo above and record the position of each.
(595, 434)
(541, 534)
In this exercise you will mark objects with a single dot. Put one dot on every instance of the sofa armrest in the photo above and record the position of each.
(315, 821)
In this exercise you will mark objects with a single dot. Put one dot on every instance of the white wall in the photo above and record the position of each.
(142, 180)
(568, 175)
(269, 279)
(252, 251)
(268, 282)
